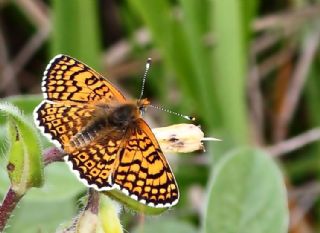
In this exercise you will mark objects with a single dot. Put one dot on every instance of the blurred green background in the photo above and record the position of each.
(247, 70)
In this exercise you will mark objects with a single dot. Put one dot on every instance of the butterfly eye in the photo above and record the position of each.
(142, 110)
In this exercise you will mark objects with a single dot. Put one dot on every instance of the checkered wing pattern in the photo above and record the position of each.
(94, 162)
(60, 121)
(66, 79)
(142, 171)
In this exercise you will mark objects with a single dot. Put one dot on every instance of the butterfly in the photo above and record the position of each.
(107, 143)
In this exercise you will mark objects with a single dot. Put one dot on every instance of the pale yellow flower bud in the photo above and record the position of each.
(181, 138)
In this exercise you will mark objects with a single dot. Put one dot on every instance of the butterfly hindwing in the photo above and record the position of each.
(135, 165)
(66, 79)
(141, 170)
(94, 162)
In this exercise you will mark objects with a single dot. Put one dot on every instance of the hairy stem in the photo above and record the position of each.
(8, 205)
(51, 155)
(93, 201)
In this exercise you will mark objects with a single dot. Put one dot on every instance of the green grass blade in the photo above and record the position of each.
(171, 39)
(76, 31)
(195, 17)
(230, 66)
(172, 224)
(312, 94)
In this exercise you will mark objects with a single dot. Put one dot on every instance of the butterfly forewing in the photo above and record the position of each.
(66, 79)
(76, 116)
(142, 171)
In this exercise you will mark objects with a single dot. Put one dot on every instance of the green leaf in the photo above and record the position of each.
(39, 216)
(26, 103)
(247, 194)
(58, 177)
(133, 204)
(25, 165)
(47, 207)
(165, 224)
(15, 154)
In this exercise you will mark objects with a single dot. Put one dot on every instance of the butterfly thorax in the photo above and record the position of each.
(112, 119)
(122, 115)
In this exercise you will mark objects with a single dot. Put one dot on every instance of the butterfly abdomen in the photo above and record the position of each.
(89, 133)
(113, 122)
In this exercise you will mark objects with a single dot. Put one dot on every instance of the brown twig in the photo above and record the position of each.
(36, 11)
(8, 82)
(285, 19)
(276, 60)
(266, 41)
(30, 48)
(305, 197)
(130, 67)
(295, 87)
(256, 102)
(9, 203)
(295, 143)
(118, 52)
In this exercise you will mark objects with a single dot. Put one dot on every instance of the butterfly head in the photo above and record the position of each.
(142, 105)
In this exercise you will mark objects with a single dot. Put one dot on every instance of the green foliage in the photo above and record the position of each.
(247, 194)
(178, 43)
(25, 103)
(205, 45)
(47, 207)
(25, 166)
(165, 224)
(76, 31)
(39, 216)
(133, 204)
(230, 66)
(313, 95)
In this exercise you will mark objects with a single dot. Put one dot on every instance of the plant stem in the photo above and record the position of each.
(52, 154)
(8, 205)
(93, 201)
(294, 143)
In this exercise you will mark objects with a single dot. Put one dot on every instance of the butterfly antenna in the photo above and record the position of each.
(148, 64)
(190, 118)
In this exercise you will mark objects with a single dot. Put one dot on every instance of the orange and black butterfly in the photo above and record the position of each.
(107, 143)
